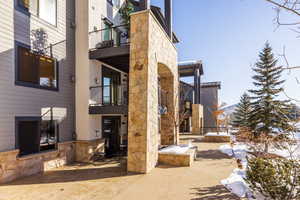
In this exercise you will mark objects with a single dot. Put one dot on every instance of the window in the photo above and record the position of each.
(47, 10)
(34, 135)
(35, 70)
(44, 9)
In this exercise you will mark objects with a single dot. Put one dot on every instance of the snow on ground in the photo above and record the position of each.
(239, 151)
(176, 149)
(235, 182)
(217, 134)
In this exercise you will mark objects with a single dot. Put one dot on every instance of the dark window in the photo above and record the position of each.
(34, 135)
(35, 70)
(28, 136)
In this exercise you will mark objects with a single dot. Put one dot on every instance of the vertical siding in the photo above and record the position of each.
(209, 100)
(24, 101)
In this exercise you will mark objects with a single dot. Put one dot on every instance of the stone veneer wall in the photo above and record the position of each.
(197, 115)
(13, 167)
(85, 150)
(168, 136)
(149, 46)
(179, 160)
(216, 139)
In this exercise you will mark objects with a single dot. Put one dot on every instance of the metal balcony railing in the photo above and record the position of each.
(109, 37)
(109, 95)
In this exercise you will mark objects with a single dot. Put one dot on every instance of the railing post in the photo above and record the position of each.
(111, 33)
(51, 50)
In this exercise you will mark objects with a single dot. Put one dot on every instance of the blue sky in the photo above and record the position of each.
(227, 36)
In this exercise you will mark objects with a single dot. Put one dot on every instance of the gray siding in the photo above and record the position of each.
(25, 101)
(209, 100)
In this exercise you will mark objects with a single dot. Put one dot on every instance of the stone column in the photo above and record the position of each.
(197, 118)
(149, 45)
(142, 108)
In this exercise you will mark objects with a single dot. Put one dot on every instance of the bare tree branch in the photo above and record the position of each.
(287, 5)
(287, 67)
(290, 6)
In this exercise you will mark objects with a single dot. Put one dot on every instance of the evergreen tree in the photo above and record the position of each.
(242, 113)
(269, 115)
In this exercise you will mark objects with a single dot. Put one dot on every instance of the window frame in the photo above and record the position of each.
(21, 8)
(56, 15)
(27, 12)
(19, 119)
(32, 85)
(35, 119)
(110, 2)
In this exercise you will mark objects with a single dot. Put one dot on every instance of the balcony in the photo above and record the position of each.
(110, 99)
(111, 46)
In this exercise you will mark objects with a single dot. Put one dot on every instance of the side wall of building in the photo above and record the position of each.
(209, 100)
(25, 101)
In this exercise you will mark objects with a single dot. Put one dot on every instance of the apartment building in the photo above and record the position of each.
(199, 101)
(74, 85)
(190, 110)
(37, 90)
(123, 68)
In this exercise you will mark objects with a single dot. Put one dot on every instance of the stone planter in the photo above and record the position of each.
(216, 139)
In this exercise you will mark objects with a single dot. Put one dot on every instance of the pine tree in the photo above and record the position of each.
(269, 115)
(242, 113)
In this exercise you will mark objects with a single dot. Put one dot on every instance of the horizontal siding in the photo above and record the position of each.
(24, 101)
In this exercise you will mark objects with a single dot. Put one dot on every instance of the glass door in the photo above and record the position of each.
(107, 32)
(111, 86)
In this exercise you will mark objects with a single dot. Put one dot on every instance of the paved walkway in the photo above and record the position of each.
(109, 181)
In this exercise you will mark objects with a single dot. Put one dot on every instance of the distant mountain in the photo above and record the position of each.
(228, 110)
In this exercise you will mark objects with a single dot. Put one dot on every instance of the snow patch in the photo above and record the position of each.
(217, 134)
(176, 149)
(235, 182)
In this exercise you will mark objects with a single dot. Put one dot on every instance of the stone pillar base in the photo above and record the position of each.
(197, 119)
(86, 149)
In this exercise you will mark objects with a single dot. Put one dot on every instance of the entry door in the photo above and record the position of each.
(111, 130)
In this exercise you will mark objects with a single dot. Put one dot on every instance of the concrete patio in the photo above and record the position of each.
(109, 180)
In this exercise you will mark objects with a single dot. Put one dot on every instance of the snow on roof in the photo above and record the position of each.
(190, 62)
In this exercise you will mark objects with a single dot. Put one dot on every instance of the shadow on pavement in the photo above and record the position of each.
(211, 154)
(218, 192)
(77, 172)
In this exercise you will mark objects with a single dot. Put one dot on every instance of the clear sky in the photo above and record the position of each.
(227, 36)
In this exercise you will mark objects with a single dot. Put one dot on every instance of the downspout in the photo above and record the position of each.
(169, 17)
(145, 4)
